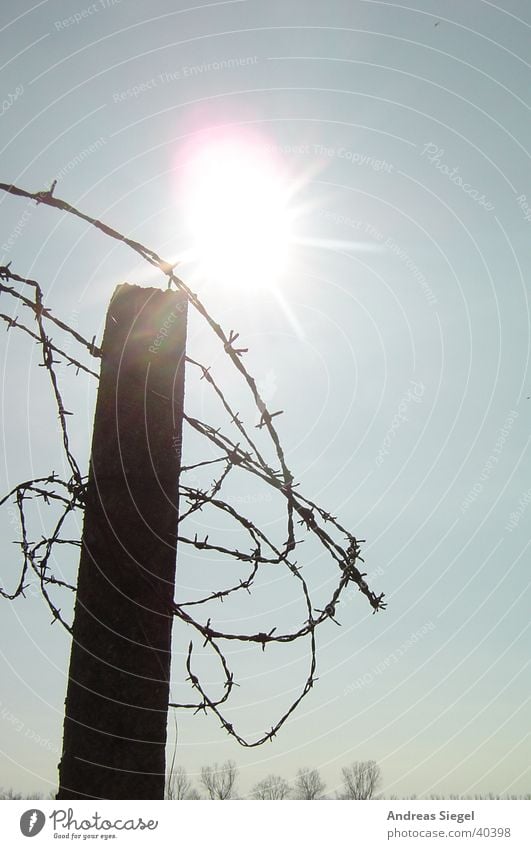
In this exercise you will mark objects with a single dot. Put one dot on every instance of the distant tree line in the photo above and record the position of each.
(360, 781)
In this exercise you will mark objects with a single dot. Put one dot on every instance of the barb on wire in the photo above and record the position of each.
(304, 519)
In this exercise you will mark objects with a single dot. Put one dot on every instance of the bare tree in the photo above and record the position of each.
(10, 794)
(179, 785)
(360, 780)
(272, 787)
(193, 795)
(309, 784)
(219, 781)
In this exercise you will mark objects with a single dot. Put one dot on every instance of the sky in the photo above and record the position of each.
(396, 341)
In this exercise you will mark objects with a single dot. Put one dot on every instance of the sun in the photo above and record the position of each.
(238, 222)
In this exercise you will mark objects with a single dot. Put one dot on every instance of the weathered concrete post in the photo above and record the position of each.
(118, 686)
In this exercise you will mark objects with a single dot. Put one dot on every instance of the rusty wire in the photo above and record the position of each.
(303, 516)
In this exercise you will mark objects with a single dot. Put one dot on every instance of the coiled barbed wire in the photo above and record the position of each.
(342, 547)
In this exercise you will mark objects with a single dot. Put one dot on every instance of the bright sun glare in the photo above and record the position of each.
(237, 212)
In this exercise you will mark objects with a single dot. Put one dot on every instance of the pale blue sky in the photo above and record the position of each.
(442, 304)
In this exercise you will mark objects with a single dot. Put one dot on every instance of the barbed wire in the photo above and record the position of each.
(342, 547)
